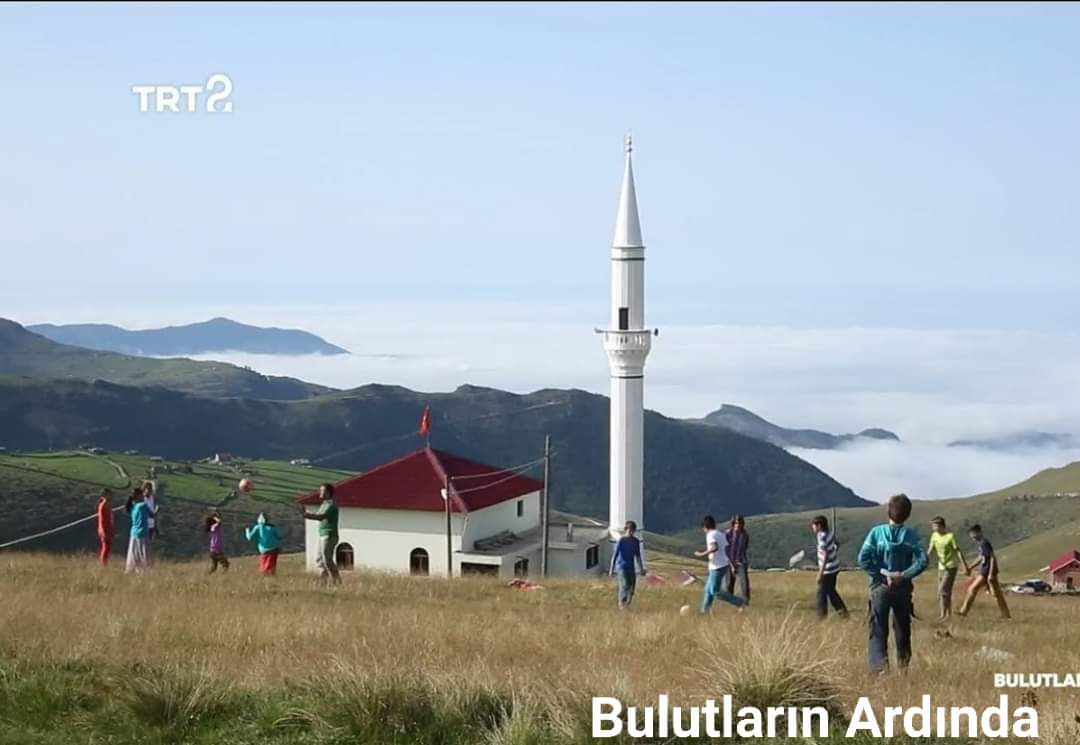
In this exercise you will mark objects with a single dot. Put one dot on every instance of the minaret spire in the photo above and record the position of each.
(627, 224)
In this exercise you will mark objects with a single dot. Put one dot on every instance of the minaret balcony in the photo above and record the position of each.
(627, 350)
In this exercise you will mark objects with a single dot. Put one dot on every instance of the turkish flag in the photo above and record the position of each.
(425, 421)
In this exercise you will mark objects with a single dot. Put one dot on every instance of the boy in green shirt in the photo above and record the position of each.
(327, 515)
(943, 544)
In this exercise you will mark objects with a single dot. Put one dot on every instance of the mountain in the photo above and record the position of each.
(28, 354)
(750, 424)
(1022, 441)
(215, 335)
(690, 470)
(1042, 512)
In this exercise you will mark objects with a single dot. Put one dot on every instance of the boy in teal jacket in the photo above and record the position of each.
(268, 540)
(893, 556)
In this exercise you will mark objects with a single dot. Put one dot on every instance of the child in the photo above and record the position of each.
(828, 554)
(738, 550)
(716, 551)
(987, 577)
(626, 559)
(138, 557)
(152, 507)
(104, 526)
(217, 543)
(943, 544)
(268, 540)
(892, 556)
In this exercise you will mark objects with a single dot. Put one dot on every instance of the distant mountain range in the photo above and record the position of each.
(28, 354)
(1022, 441)
(746, 422)
(62, 396)
(215, 335)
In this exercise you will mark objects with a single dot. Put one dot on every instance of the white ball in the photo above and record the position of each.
(684, 611)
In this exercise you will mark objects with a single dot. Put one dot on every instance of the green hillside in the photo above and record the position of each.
(26, 354)
(690, 469)
(1028, 522)
(39, 491)
(1028, 556)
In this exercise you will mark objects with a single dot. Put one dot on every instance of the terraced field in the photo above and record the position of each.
(39, 491)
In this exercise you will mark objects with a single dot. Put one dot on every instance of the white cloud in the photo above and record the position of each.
(877, 470)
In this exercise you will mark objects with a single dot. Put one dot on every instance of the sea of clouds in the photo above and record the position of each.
(929, 386)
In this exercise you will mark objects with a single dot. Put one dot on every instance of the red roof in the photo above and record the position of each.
(1064, 560)
(415, 482)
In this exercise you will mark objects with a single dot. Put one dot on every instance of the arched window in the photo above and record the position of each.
(418, 562)
(344, 556)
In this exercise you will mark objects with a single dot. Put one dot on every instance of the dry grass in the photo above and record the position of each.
(399, 660)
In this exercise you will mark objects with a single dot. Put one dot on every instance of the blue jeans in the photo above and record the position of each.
(714, 589)
(627, 582)
(884, 601)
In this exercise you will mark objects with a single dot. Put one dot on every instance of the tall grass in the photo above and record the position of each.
(175, 656)
(781, 660)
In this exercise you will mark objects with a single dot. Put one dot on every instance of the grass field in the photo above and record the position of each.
(88, 655)
(1029, 518)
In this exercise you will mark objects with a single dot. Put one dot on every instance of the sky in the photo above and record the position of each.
(856, 215)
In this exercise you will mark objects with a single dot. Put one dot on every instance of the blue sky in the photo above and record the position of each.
(869, 165)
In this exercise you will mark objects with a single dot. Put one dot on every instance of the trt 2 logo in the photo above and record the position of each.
(218, 88)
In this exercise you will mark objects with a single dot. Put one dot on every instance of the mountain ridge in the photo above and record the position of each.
(24, 353)
(1020, 440)
(215, 335)
(690, 470)
(744, 421)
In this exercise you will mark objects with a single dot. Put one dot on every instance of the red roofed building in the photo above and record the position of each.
(1065, 570)
(393, 518)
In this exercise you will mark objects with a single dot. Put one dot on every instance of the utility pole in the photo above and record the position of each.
(449, 530)
(545, 507)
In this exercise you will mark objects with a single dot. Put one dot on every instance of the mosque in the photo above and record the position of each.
(432, 512)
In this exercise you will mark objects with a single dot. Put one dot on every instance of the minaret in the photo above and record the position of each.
(627, 343)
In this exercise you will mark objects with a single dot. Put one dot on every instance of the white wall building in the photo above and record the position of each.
(393, 518)
(627, 343)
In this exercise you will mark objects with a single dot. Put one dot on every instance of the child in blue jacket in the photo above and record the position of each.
(893, 556)
(268, 540)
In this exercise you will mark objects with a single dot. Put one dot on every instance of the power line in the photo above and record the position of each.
(406, 435)
(522, 466)
(496, 483)
(44, 533)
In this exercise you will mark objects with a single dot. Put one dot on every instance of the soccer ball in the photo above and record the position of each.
(246, 485)
(684, 611)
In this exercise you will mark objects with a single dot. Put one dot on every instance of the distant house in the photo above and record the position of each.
(1064, 571)
(156, 459)
(299, 462)
(221, 459)
(393, 518)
